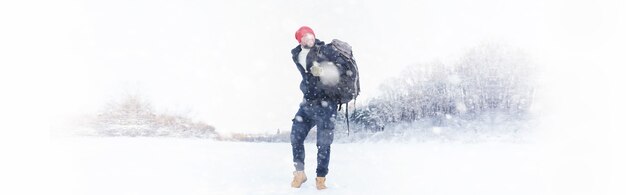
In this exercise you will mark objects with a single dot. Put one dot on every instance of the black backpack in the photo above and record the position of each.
(349, 85)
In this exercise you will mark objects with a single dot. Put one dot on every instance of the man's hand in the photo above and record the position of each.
(316, 69)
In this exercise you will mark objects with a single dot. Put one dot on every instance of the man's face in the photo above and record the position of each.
(308, 41)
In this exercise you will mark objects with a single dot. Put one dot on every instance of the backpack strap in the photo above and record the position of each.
(318, 53)
(347, 119)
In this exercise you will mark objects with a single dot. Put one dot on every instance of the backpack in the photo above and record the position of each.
(349, 86)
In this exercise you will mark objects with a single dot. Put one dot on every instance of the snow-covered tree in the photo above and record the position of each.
(488, 79)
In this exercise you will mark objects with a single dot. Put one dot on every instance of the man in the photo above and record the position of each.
(317, 108)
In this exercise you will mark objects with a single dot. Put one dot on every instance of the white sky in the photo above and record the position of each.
(228, 62)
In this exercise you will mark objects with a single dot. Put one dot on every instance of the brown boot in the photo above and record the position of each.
(320, 182)
(298, 178)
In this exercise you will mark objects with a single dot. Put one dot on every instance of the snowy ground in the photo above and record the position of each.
(193, 166)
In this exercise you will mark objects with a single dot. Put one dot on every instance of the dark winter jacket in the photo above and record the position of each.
(310, 84)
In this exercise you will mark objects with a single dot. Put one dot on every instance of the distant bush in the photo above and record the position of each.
(132, 116)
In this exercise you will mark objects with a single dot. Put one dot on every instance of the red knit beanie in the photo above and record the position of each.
(303, 31)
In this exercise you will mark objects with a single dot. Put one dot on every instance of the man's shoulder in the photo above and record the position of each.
(328, 50)
(296, 50)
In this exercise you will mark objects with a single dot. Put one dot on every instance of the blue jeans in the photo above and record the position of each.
(313, 113)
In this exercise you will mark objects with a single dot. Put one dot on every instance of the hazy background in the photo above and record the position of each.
(228, 62)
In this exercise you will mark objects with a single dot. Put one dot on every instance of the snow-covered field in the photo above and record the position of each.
(196, 166)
